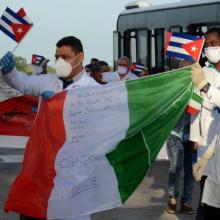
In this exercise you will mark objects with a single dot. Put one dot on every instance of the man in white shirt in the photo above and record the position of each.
(123, 69)
(69, 74)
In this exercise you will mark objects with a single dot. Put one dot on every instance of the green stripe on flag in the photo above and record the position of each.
(155, 105)
(197, 98)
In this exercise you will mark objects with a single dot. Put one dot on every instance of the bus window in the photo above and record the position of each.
(142, 37)
(133, 47)
(116, 46)
(153, 58)
(130, 45)
(159, 50)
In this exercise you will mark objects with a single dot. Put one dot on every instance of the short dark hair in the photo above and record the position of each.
(95, 67)
(71, 41)
(103, 63)
(214, 30)
(94, 59)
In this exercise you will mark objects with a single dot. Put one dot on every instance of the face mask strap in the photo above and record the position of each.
(77, 55)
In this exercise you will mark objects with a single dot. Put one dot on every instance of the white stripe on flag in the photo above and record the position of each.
(194, 104)
(27, 19)
(6, 26)
(11, 18)
(138, 70)
(177, 50)
(88, 170)
(180, 40)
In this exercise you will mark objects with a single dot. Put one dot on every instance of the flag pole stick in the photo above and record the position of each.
(15, 48)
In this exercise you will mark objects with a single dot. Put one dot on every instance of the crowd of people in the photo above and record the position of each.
(200, 132)
(102, 73)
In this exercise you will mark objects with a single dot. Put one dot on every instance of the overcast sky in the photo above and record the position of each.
(92, 21)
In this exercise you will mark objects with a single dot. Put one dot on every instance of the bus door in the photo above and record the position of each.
(157, 55)
(146, 47)
(125, 45)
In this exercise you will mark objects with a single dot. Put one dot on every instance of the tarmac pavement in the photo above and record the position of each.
(147, 203)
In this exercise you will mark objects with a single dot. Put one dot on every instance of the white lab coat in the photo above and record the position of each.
(211, 193)
(130, 76)
(205, 127)
(36, 84)
(111, 77)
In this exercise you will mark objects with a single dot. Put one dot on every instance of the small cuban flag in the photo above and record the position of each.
(38, 60)
(15, 25)
(137, 68)
(183, 46)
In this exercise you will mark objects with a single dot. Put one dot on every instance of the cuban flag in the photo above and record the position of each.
(15, 25)
(183, 46)
(137, 68)
(38, 60)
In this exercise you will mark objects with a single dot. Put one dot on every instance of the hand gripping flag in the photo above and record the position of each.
(15, 25)
(183, 46)
(80, 159)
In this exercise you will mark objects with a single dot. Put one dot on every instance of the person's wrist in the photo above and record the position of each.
(205, 88)
(207, 156)
(201, 84)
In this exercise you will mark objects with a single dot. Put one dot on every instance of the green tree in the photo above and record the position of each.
(51, 69)
(21, 63)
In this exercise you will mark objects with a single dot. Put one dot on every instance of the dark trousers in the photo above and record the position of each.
(211, 213)
(200, 209)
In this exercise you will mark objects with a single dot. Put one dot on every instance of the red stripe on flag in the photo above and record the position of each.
(31, 190)
(167, 40)
(191, 110)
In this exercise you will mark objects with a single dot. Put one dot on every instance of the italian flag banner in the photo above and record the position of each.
(91, 147)
(195, 104)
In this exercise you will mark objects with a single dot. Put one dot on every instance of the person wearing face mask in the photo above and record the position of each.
(69, 74)
(96, 74)
(123, 67)
(211, 192)
(205, 126)
(69, 71)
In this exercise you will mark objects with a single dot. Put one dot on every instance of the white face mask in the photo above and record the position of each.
(64, 68)
(213, 54)
(122, 70)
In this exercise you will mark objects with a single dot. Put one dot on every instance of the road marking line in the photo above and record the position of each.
(11, 158)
